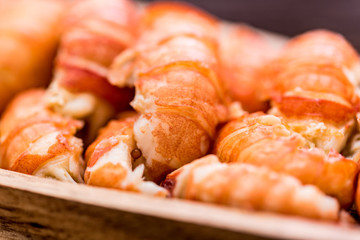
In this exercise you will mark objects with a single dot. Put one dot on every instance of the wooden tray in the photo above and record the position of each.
(37, 208)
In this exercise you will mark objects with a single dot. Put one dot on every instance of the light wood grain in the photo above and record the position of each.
(32, 207)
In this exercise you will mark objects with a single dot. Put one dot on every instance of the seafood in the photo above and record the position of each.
(29, 34)
(110, 159)
(243, 52)
(314, 90)
(37, 141)
(94, 33)
(174, 67)
(250, 187)
(264, 140)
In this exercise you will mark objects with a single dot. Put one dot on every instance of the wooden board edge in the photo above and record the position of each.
(230, 219)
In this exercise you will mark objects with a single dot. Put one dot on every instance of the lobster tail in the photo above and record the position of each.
(175, 71)
(36, 141)
(250, 187)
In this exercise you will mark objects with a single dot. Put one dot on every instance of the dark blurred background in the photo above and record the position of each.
(291, 17)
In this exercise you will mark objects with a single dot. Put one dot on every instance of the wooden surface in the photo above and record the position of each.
(36, 208)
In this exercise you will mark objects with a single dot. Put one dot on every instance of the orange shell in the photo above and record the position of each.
(175, 69)
(250, 187)
(243, 52)
(27, 120)
(95, 32)
(323, 64)
(262, 140)
(122, 126)
(29, 35)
